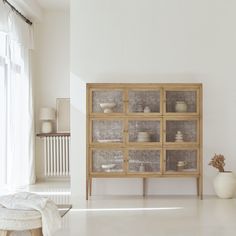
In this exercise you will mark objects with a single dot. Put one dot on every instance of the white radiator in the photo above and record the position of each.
(56, 156)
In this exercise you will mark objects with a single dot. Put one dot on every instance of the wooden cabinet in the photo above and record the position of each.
(144, 130)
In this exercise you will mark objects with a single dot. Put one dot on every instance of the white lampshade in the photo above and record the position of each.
(47, 113)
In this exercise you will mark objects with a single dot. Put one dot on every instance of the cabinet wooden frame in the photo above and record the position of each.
(181, 173)
(184, 88)
(145, 174)
(106, 174)
(115, 144)
(155, 144)
(125, 163)
(144, 89)
(181, 144)
(90, 104)
(161, 117)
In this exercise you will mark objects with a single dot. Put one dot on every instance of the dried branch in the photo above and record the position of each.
(218, 161)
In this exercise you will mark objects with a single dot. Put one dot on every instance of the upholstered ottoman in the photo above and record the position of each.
(20, 220)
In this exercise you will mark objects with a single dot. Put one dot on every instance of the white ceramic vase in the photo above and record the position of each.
(181, 106)
(225, 184)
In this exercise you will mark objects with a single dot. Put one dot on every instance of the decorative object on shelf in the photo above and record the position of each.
(63, 115)
(181, 106)
(109, 140)
(225, 182)
(147, 109)
(143, 137)
(142, 167)
(108, 167)
(107, 107)
(181, 165)
(179, 137)
(139, 108)
(47, 115)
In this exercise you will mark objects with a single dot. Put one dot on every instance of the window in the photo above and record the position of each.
(16, 121)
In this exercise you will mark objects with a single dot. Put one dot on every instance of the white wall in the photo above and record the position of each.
(157, 41)
(51, 68)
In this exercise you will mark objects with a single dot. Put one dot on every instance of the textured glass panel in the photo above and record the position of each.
(144, 131)
(144, 161)
(188, 128)
(107, 96)
(107, 131)
(181, 160)
(138, 100)
(107, 161)
(189, 97)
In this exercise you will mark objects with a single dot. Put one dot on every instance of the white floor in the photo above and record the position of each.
(162, 216)
(152, 215)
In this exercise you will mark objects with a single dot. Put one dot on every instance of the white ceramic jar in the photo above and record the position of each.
(225, 184)
(147, 109)
(142, 167)
(180, 106)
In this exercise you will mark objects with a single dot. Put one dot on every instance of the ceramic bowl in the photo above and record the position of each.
(107, 107)
(107, 167)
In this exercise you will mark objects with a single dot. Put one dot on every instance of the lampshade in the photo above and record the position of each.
(47, 113)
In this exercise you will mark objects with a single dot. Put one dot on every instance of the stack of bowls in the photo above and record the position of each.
(143, 137)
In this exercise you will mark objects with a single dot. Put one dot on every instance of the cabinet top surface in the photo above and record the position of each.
(140, 85)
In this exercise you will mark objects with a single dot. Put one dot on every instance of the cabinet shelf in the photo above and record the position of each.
(144, 130)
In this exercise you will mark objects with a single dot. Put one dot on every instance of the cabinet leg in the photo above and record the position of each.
(90, 186)
(144, 186)
(197, 182)
(199, 187)
(87, 186)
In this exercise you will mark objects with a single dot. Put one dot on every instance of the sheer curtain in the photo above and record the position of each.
(3, 114)
(16, 121)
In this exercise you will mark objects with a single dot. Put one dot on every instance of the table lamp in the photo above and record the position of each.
(47, 114)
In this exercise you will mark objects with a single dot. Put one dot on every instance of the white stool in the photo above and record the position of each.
(20, 220)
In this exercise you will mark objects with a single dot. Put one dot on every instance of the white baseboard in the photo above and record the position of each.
(52, 179)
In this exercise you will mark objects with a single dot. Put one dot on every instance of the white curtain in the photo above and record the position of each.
(3, 113)
(16, 107)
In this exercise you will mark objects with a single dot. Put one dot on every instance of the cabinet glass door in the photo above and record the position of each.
(144, 101)
(106, 131)
(179, 102)
(144, 131)
(181, 131)
(107, 101)
(145, 160)
(181, 160)
(107, 161)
